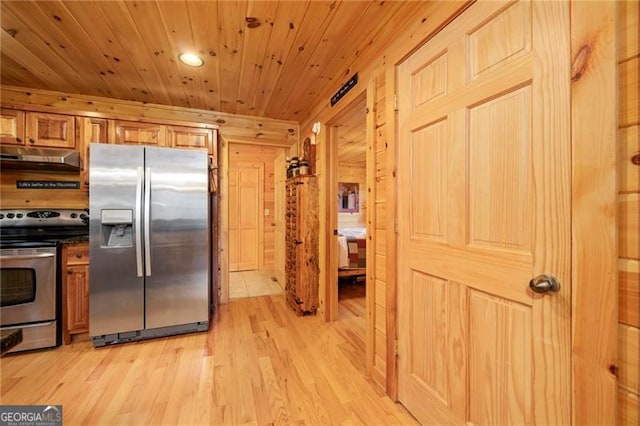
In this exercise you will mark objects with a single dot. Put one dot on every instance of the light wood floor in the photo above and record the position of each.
(258, 364)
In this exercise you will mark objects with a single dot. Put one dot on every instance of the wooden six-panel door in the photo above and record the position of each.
(245, 186)
(484, 207)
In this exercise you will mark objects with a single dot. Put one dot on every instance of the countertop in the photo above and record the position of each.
(82, 239)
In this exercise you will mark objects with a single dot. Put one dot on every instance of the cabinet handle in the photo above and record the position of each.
(18, 139)
(69, 272)
(78, 255)
(31, 140)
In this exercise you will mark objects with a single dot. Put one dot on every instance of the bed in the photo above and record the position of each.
(352, 252)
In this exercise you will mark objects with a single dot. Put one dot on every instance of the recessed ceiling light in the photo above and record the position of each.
(190, 59)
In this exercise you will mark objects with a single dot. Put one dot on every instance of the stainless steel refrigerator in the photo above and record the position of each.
(149, 243)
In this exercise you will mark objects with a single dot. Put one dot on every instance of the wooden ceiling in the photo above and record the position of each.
(276, 59)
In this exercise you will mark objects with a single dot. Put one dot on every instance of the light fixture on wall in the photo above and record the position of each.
(190, 59)
(316, 127)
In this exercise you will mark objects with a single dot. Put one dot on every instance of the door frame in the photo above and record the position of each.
(329, 180)
(593, 213)
(331, 297)
(224, 142)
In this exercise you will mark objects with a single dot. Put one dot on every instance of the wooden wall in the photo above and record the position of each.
(234, 127)
(628, 214)
(237, 127)
(354, 174)
(264, 155)
(378, 72)
(376, 75)
(379, 156)
(13, 198)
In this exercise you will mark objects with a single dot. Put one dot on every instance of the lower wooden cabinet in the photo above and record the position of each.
(75, 290)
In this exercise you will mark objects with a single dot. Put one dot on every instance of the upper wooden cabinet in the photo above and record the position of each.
(191, 137)
(11, 127)
(37, 129)
(137, 133)
(50, 130)
(90, 130)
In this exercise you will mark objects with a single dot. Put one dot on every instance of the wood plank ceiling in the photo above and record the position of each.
(276, 59)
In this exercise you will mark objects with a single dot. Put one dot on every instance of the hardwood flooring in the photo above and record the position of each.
(258, 364)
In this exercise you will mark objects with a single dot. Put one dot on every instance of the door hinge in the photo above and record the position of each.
(395, 225)
(395, 348)
(395, 102)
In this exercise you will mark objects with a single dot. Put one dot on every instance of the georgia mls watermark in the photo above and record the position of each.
(30, 415)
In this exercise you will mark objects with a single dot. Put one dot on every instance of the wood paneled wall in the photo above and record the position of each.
(628, 214)
(381, 189)
(354, 174)
(236, 127)
(264, 155)
(380, 156)
(376, 73)
(13, 198)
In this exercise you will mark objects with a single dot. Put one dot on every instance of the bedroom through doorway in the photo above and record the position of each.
(349, 136)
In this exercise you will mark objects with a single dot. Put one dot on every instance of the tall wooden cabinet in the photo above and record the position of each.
(301, 264)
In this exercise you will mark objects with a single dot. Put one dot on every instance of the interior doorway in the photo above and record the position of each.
(252, 220)
(348, 161)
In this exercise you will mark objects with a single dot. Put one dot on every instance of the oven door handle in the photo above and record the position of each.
(27, 256)
(40, 324)
(139, 223)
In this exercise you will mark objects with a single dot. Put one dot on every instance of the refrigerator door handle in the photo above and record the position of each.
(147, 220)
(139, 223)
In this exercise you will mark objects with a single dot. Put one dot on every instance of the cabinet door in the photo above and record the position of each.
(90, 130)
(77, 298)
(50, 130)
(11, 127)
(133, 133)
(191, 137)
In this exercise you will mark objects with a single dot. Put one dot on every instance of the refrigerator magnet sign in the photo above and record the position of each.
(344, 89)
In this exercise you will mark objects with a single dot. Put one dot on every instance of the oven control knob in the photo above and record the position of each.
(10, 215)
(1, 216)
(19, 215)
(74, 215)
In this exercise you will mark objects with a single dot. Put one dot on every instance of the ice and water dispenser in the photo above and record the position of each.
(117, 228)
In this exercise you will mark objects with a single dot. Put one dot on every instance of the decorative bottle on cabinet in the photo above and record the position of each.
(301, 264)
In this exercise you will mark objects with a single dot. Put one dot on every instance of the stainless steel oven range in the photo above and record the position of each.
(30, 268)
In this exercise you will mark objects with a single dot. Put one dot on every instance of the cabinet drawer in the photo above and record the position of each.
(77, 254)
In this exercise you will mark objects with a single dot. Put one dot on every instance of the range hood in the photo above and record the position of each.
(27, 158)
